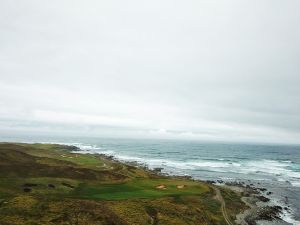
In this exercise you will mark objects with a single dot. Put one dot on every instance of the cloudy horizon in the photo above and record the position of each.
(201, 70)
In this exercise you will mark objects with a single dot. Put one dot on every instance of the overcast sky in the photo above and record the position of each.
(208, 70)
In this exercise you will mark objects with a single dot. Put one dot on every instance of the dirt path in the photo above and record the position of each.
(223, 206)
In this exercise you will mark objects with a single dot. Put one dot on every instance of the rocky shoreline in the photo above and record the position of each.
(255, 198)
(259, 205)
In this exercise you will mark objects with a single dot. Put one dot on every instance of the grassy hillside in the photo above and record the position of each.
(48, 184)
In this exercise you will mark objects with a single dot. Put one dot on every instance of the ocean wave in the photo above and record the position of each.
(282, 170)
(286, 215)
(295, 183)
(87, 147)
(272, 168)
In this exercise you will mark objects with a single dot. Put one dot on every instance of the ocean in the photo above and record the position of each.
(274, 167)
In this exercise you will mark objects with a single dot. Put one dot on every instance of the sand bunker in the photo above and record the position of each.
(161, 187)
(181, 186)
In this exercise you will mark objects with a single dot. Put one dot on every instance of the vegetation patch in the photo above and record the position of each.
(48, 184)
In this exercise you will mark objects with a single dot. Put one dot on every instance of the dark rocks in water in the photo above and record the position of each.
(109, 157)
(270, 213)
(67, 185)
(263, 198)
(210, 181)
(286, 199)
(262, 189)
(220, 181)
(51, 186)
(71, 148)
(29, 185)
(157, 170)
(235, 183)
(251, 189)
(27, 189)
(269, 193)
(250, 221)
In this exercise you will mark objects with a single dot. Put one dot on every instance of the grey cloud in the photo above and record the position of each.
(196, 69)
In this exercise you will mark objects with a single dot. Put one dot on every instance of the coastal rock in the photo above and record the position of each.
(210, 181)
(270, 213)
(157, 170)
(235, 183)
(71, 148)
(263, 199)
(262, 189)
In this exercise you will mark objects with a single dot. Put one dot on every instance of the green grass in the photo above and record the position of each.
(84, 160)
(59, 152)
(139, 188)
(14, 186)
(92, 188)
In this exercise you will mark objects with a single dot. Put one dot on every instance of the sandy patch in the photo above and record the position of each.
(181, 186)
(161, 187)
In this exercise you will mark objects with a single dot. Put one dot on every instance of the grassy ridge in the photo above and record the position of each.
(48, 184)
